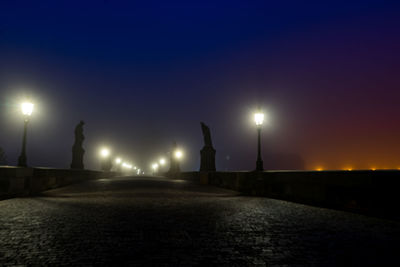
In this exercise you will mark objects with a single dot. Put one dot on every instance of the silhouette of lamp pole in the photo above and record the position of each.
(259, 119)
(27, 109)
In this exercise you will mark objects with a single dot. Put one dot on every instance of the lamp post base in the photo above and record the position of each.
(22, 161)
(259, 166)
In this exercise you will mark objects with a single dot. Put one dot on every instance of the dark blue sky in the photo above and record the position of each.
(144, 74)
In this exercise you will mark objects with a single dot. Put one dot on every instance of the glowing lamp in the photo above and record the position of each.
(178, 154)
(27, 108)
(259, 118)
(162, 161)
(104, 152)
(118, 160)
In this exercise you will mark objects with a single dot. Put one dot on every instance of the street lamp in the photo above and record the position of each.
(154, 166)
(259, 119)
(118, 162)
(162, 161)
(104, 152)
(27, 109)
(178, 154)
(106, 163)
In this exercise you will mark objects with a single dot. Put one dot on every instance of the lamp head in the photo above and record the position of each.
(178, 154)
(27, 108)
(104, 152)
(154, 166)
(259, 118)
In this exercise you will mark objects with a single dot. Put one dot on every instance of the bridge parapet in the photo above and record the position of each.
(369, 192)
(17, 181)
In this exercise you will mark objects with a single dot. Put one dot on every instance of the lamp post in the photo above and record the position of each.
(27, 109)
(154, 166)
(118, 162)
(162, 163)
(175, 157)
(106, 163)
(259, 118)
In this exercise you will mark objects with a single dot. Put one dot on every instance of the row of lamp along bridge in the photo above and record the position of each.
(123, 166)
(120, 165)
(106, 161)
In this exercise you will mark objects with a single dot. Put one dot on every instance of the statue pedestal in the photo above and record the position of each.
(77, 158)
(77, 149)
(207, 161)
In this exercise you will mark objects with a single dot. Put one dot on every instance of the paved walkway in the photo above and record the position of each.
(157, 222)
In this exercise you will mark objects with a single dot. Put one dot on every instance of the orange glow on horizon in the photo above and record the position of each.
(354, 150)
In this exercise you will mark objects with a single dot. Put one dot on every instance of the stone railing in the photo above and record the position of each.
(369, 192)
(15, 181)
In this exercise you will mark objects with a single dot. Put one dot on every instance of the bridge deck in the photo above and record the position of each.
(160, 222)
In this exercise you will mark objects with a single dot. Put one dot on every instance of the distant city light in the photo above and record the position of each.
(27, 108)
(162, 161)
(154, 166)
(259, 118)
(118, 160)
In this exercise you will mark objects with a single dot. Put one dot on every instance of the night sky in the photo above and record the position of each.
(142, 75)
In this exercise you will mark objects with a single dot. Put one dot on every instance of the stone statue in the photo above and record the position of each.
(207, 160)
(77, 149)
(206, 134)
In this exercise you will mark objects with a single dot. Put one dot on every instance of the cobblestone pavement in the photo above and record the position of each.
(158, 222)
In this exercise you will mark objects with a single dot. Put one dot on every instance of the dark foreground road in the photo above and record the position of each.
(159, 222)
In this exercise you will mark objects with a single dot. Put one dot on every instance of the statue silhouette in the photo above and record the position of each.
(206, 134)
(77, 149)
(207, 160)
(3, 158)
